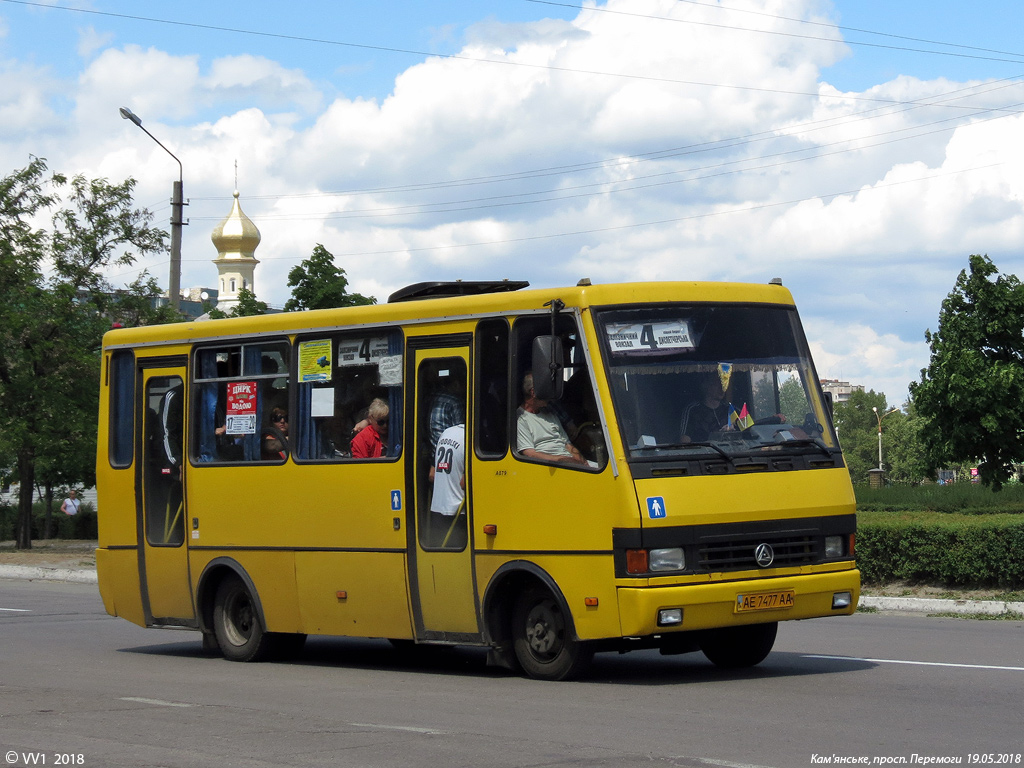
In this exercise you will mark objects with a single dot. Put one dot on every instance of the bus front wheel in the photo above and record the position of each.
(542, 639)
(739, 647)
(237, 625)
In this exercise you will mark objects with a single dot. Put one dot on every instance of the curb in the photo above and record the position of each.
(41, 573)
(900, 604)
(934, 605)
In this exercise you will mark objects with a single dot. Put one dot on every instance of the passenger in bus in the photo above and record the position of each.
(539, 433)
(448, 474)
(275, 437)
(447, 408)
(369, 443)
(708, 414)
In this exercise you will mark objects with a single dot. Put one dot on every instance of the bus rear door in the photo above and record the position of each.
(160, 498)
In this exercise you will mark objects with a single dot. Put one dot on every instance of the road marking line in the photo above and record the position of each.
(917, 663)
(397, 728)
(155, 702)
(17, 610)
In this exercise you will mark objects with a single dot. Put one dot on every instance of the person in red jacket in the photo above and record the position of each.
(369, 443)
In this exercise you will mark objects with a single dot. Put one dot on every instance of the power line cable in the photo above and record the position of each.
(455, 56)
(1018, 58)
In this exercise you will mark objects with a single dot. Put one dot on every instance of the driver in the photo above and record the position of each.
(708, 414)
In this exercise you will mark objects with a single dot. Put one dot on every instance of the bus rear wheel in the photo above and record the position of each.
(542, 639)
(237, 624)
(739, 647)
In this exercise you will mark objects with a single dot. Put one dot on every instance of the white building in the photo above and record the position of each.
(841, 390)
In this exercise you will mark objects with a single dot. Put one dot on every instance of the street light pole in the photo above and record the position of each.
(177, 205)
(875, 409)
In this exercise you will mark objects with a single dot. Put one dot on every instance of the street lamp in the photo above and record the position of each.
(177, 203)
(875, 409)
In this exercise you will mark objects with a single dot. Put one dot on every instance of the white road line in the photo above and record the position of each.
(917, 663)
(155, 702)
(397, 728)
(17, 610)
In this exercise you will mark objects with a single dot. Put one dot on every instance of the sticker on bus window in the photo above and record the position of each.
(315, 360)
(362, 351)
(389, 371)
(649, 337)
(241, 408)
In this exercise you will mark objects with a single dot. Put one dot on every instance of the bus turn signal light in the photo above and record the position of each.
(590, 602)
(342, 594)
(491, 529)
(636, 561)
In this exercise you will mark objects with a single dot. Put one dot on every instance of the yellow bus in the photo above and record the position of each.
(544, 473)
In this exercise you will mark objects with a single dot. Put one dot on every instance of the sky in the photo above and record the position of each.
(861, 150)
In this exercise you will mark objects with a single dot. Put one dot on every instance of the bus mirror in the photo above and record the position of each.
(547, 367)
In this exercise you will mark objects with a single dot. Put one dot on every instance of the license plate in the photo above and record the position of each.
(765, 601)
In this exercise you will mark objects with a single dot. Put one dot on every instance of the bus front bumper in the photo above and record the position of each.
(644, 611)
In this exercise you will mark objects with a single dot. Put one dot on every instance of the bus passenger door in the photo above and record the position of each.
(442, 575)
(160, 500)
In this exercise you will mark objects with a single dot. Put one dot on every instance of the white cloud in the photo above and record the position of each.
(90, 41)
(867, 209)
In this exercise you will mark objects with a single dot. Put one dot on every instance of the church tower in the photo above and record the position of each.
(235, 239)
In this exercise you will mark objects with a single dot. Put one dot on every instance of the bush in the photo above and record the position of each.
(80, 526)
(945, 549)
(964, 498)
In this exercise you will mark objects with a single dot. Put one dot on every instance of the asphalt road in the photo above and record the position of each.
(80, 688)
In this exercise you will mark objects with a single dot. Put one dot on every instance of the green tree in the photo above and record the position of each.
(247, 306)
(317, 283)
(51, 324)
(970, 394)
(903, 449)
(858, 431)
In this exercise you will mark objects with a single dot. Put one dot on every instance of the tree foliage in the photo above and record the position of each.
(858, 431)
(970, 394)
(248, 306)
(317, 283)
(57, 307)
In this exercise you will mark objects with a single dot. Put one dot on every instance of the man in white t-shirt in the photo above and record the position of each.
(449, 476)
(71, 505)
(539, 433)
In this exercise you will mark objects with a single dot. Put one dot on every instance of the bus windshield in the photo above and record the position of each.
(714, 380)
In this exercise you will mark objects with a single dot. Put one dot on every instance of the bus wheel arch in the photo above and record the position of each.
(529, 624)
(231, 612)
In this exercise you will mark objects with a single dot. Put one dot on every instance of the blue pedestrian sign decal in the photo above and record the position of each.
(655, 507)
(396, 501)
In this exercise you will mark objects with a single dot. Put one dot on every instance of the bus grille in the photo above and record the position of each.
(737, 553)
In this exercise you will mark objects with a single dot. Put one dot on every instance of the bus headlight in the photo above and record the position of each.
(834, 546)
(670, 617)
(667, 559)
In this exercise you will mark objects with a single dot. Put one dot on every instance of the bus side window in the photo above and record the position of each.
(492, 388)
(236, 390)
(338, 377)
(577, 409)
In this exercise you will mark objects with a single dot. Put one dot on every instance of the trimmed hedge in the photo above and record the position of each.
(80, 526)
(953, 550)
